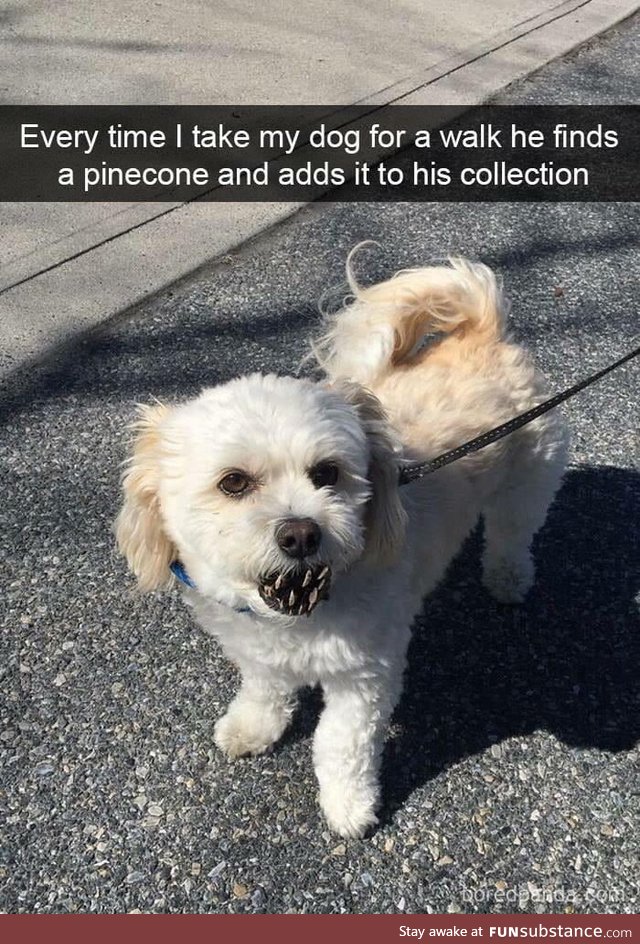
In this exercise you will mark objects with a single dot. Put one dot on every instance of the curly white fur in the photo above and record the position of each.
(387, 547)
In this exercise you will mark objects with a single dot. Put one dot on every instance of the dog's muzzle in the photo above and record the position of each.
(296, 593)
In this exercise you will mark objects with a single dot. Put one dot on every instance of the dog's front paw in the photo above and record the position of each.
(508, 581)
(249, 728)
(350, 811)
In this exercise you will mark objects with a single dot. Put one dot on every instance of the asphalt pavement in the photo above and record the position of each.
(511, 769)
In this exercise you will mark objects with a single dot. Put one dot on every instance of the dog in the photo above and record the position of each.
(277, 501)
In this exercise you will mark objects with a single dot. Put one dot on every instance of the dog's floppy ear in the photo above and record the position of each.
(386, 518)
(139, 527)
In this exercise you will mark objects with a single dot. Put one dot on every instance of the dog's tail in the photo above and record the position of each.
(383, 326)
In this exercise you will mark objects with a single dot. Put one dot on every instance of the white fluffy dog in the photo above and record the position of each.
(305, 559)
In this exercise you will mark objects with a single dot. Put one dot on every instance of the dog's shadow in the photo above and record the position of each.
(565, 662)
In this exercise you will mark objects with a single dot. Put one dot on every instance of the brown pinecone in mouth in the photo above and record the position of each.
(296, 593)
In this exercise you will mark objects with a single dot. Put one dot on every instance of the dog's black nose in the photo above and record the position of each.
(299, 537)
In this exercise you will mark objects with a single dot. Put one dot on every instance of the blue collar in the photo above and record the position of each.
(177, 569)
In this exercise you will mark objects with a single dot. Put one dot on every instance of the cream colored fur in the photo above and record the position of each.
(386, 395)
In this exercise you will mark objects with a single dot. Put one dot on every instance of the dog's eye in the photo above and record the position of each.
(324, 474)
(235, 483)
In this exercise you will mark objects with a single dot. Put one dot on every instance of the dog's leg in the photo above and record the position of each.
(512, 517)
(347, 748)
(256, 718)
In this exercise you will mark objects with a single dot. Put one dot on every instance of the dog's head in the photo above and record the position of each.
(266, 488)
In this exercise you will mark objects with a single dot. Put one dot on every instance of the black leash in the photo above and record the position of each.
(409, 473)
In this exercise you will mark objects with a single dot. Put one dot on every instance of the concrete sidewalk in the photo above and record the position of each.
(65, 267)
